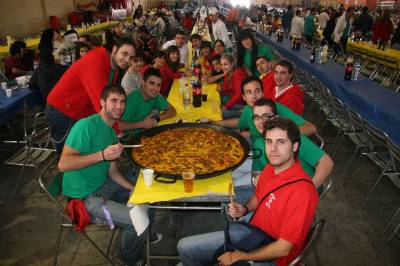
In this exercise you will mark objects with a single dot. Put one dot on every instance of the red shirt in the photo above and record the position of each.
(168, 76)
(77, 93)
(291, 97)
(11, 62)
(233, 87)
(288, 212)
(268, 82)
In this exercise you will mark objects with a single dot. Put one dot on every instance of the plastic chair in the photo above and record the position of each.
(311, 242)
(50, 182)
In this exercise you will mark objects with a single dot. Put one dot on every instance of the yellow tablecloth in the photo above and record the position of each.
(160, 192)
(354, 46)
(32, 43)
(210, 109)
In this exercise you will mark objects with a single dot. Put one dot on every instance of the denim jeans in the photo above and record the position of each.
(132, 245)
(60, 125)
(234, 112)
(199, 250)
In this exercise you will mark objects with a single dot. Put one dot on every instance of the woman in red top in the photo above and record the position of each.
(169, 71)
(232, 99)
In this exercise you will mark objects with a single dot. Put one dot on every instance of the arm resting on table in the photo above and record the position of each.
(168, 113)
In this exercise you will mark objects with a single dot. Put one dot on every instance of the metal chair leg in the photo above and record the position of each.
(371, 191)
(98, 249)
(395, 231)
(390, 222)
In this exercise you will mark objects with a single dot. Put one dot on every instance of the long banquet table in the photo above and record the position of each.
(377, 104)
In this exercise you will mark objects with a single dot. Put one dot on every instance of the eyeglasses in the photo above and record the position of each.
(264, 117)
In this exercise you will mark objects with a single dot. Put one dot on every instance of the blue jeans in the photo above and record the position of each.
(132, 245)
(234, 112)
(198, 250)
(60, 125)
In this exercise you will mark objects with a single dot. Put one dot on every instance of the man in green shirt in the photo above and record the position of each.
(314, 160)
(309, 26)
(91, 174)
(143, 106)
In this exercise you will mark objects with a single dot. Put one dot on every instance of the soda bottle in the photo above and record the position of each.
(348, 70)
(196, 92)
(312, 56)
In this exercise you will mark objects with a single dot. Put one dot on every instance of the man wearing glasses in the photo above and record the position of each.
(313, 160)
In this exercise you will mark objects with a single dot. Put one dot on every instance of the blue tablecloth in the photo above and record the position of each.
(377, 104)
(9, 107)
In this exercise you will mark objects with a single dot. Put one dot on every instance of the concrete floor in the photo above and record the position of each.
(351, 237)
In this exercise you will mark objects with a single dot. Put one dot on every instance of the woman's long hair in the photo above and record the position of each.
(241, 50)
(174, 66)
(46, 40)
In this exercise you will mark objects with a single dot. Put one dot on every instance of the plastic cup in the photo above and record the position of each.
(9, 92)
(148, 177)
(4, 85)
(188, 181)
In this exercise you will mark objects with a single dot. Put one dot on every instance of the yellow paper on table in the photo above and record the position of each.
(160, 192)
(209, 109)
(372, 48)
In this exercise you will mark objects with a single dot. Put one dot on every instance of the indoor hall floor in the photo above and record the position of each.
(351, 236)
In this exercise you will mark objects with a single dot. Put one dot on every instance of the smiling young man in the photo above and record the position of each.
(180, 42)
(252, 90)
(285, 214)
(77, 93)
(91, 173)
(283, 90)
(144, 106)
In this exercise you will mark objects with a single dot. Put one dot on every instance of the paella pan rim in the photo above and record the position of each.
(163, 128)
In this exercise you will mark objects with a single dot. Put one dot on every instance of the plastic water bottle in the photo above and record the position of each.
(319, 61)
(357, 68)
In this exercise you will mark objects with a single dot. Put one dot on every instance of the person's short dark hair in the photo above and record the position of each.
(364, 9)
(111, 88)
(205, 44)
(180, 32)
(246, 33)
(151, 72)
(72, 31)
(268, 102)
(216, 58)
(16, 47)
(250, 79)
(195, 36)
(298, 12)
(287, 125)
(78, 47)
(139, 54)
(262, 56)
(124, 41)
(159, 54)
(220, 41)
(143, 29)
(287, 64)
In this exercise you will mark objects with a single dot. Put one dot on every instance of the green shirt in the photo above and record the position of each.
(309, 25)
(137, 108)
(246, 119)
(262, 50)
(309, 155)
(88, 135)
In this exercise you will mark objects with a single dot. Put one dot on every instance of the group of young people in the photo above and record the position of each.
(115, 91)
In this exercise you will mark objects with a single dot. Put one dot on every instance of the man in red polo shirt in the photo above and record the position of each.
(266, 69)
(77, 93)
(283, 90)
(286, 214)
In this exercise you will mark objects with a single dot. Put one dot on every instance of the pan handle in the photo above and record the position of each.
(256, 153)
(164, 180)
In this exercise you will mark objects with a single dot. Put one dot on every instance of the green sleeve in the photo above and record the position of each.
(285, 112)
(260, 158)
(78, 137)
(130, 108)
(266, 51)
(160, 103)
(309, 152)
(245, 118)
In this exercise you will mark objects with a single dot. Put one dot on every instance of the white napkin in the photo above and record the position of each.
(140, 218)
